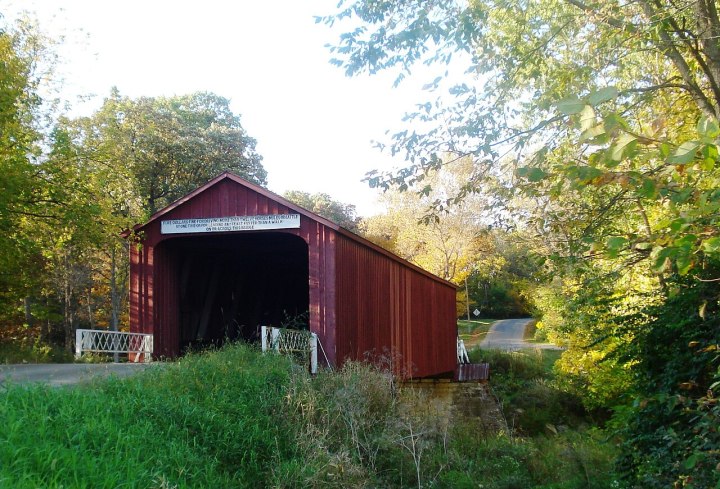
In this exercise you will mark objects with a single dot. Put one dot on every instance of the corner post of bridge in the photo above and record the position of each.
(313, 353)
(78, 343)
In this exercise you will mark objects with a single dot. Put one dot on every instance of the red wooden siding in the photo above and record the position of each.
(387, 308)
(362, 299)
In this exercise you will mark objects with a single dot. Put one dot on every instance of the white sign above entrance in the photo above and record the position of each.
(233, 223)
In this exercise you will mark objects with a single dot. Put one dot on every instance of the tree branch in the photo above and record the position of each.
(680, 64)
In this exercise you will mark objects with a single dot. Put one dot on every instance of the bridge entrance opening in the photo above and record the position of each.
(227, 286)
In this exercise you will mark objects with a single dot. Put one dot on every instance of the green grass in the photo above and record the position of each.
(237, 418)
(533, 403)
(549, 357)
(474, 331)
(530, 329)
(207, 421)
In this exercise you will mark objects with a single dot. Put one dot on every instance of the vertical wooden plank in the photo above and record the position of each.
(224, 198)
(252, 203)
(135, 277)
(329, 291)
(262, 205)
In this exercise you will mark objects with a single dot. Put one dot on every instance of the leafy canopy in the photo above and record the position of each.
(559, 95)
(325, 206)
(170, 145)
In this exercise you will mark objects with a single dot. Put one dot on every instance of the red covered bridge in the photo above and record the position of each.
(231, 256)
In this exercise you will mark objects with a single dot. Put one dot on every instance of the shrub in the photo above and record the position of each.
(532, 401)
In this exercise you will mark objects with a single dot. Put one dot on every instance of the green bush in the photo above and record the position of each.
(533, 403)
(670, 429)
(28, 351)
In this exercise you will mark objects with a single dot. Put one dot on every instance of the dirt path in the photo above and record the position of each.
(507, 334)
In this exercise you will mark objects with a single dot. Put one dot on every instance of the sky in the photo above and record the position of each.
(313, 125)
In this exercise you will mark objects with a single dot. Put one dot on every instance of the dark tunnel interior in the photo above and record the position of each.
(228, 286)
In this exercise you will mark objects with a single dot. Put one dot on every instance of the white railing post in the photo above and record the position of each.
(462, 355)
(78, 343)
(150, 345)
(289, 340)
(313, 353)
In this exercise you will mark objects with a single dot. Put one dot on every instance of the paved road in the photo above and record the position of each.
(507, 334)
(65, 373)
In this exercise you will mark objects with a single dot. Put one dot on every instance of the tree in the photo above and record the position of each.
(453, 246)
(503, 283)
(323, 205)
(595, 126)
(24, 202)
(78, 250)
(651, 69)
(169, 145)
(48, 217)
(449, 245)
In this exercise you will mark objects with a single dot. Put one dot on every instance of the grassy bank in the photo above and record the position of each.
(203, 422)
(237, 418)
(474, 331)
(533, 403)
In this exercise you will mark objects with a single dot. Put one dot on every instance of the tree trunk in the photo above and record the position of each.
(68, 313)
(91, 318)
(28, 313)
(45, 325)
(467, 299)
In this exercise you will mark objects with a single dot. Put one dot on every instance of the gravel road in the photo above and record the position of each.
(65, 373)
(507, 334)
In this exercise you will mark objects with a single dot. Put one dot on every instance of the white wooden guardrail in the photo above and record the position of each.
(290, 340)
(462, 354)
(101, 341)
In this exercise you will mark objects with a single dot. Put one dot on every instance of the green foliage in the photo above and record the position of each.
(533, 401)
(167, 146)
(21, 198)
(323, 205)
(525, 67)
(669, 431)
(451, 247)
(596, 126)
(502, 282)
(587, 313)
(569, 460)
(70, 187)
(355, 420)
(31, 350)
